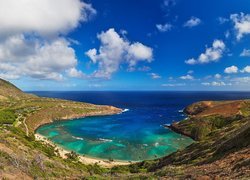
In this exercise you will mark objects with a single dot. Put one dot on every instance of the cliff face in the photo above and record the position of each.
(207, 116)
(222, 108)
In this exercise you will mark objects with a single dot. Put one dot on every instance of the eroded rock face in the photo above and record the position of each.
(221, 108)
(197, 108)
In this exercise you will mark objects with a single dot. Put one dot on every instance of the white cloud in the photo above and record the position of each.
(245, 53)
(222, 20)
(115, 51)
(192, 22)
(211, 54)
(32, 38)
(173, 85)
(42, 60)
(215, 83)
(92, 54)
(44, 17)
(187, 77)
(241, 80)
(144, 68)
(138, 52)
(241, 24)
(155, 76)
(191, 61)
(164, 27)
(231, 70)
(73, 72)
(217, 76)
(246, 69)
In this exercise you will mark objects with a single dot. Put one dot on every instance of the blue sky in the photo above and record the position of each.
(126, 44)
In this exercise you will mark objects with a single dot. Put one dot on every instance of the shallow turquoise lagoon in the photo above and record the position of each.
(118, 137)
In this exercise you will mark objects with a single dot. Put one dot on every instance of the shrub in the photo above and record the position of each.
(72, 156)
(200, 132)
(7, 117)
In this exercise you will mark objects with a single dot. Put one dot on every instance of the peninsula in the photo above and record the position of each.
(221, 130)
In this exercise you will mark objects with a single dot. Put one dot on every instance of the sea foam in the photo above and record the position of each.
(79, 138)
(125, 110)
(105, 140)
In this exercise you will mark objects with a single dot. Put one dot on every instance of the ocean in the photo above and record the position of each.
(134, 135)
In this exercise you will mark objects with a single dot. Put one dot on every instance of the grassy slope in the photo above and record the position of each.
(21, 157)
(222, 148)
(221, 129)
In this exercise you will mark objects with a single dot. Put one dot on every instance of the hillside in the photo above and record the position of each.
(221, 150)
(9, 91)
(21, 157)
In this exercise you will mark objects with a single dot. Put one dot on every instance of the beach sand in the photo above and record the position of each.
(83, 159)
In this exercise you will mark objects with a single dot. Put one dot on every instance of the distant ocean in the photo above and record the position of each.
(137, 133)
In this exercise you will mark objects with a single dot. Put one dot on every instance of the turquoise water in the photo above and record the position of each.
(109, 137)
(133, 135)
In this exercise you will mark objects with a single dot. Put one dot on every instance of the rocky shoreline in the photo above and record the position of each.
(174, 127)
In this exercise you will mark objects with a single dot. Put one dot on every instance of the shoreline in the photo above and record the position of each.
(83, 159)
(175, 129)
(111, 111)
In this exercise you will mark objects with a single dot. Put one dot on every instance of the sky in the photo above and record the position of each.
(167, 45)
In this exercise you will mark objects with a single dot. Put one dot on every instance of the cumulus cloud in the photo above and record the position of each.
(217, 76)
(32, 38)
(154, 76)
(241, 24)
(192, 22)
(187, 77)
(116, 50)
(44, 17)
(73, 72)
(211, 54)
(246, 69)
(245, 53)
(231, 70)
(164, 27)
(191, 61)
(43, 60)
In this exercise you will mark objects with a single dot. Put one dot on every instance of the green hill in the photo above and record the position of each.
(221, 150)
(9, 91)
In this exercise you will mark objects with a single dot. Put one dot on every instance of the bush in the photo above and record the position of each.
(72, 156)
(7, 117)
(200, 132)
(218, 123)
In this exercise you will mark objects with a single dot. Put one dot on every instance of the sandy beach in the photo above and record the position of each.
(85, 160)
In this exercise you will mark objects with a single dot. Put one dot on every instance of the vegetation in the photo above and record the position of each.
(221, 150)
(7, 117)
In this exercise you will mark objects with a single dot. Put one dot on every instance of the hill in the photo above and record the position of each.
(222, 148)
(221, 130)
(9, 91)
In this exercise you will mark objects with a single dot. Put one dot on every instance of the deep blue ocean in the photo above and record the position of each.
(136, 134)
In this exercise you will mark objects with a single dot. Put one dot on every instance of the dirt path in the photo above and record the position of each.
(26, 127)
